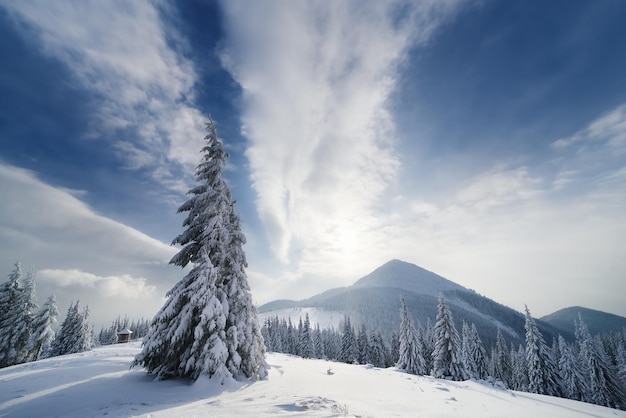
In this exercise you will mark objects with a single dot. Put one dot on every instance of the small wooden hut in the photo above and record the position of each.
(124, 336)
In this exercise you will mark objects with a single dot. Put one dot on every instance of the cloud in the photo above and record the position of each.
(52, 231)
(316, 85)
(124, 286)
(125, 56)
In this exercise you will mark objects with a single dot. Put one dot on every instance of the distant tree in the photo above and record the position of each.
(603, 386)
(519, 369)
(473, 353)
(502, 368)
(349, 347)
(43, 333)
(307, 349)
(208, 324)
(75, 333)
(378, 350)
(411, 358)
(447, 363)
(542, 373)
(363, 345)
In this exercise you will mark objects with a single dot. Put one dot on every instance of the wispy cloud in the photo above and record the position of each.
(121, 52)
(124, 286)
(53, 231)
(316, 83)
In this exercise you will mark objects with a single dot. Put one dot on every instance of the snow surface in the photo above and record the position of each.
(99, 383)
(325, 319)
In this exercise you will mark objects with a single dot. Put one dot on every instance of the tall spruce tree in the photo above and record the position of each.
(411, 358)
(208, 324)
(10, 297)
(604, 388)
(43, 330)
(17, 307)
(542, 372)
(573, 381)
(447, 362)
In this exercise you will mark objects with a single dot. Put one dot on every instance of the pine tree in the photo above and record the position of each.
(519, 374)
(307, 349)
(378, 351)
(447, 363)
(502, 369)
(602, 383)
(208, 324)
(363, 345)
(349, 348)
(43, 330)
(75, 333)
(473, 353)
(17, 304)
(573, 381)
(411, 359)
(542, 373)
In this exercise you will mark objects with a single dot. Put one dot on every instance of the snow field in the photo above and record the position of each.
(98, 383)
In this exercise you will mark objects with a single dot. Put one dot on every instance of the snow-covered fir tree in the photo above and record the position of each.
(17, 304)
(349, 347)
(410, 356)
(519, 374)
(307, 350)
(573, 381)
(363, 345)
(542, 372)
(501, 360)
(43, 332)
(447, 362)
(75, 335)
(473, 355)
(603, 386)
(208, 324)
(378, 350)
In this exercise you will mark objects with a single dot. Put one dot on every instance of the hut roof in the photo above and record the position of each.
(125, 331)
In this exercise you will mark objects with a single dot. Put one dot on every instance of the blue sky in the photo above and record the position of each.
(482, 140)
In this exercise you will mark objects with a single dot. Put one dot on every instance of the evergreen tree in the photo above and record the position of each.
(349, 348)
(502, 369)
(542, 373)
(519, 375)
(307, 350)
(411, 359)
(573, 381)
(43, 330)
(473, 353)
(17, 304)
(602, 383)
(363, 346)
(208, 325)
(75, 333)
(378, 351)
(447, 363)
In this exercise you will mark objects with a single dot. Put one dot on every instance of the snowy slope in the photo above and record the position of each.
(98, 383)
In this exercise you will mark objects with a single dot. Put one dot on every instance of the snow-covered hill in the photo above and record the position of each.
(99, 383)
(325, 319)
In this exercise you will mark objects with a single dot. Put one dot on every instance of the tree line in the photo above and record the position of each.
(591, 369)
(29, 333)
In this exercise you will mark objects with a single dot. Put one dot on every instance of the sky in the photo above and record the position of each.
(481, 140)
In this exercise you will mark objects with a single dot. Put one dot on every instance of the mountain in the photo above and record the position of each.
(598, 322)
(374, 300)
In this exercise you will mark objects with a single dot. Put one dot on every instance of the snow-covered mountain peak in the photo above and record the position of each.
(402, 275)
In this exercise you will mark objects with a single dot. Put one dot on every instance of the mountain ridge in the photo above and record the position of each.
(374, 301)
